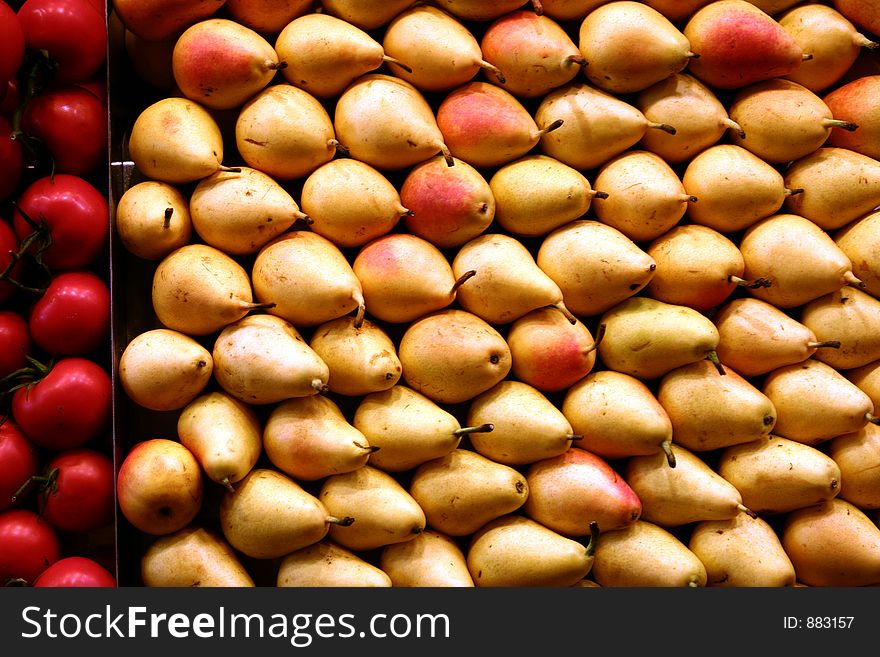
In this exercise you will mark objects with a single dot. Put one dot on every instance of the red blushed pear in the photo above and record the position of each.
(572, 490)
(156, 20)
(856, 101)
(267, 16)
(863, 13)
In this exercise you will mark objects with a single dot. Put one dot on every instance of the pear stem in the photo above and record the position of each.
(359, 316)
(832, 344)
(229, 169)
(793, 192)
(227, 484)
(335, 143)
(397, 62)
(538, 6)
(692, 55)
(167, 216)
(574, 437)
(736, 127)
(261, 306)
(550, 128)
(751, 285)
(747, 510)
(462, 279)
(665, 127)
(849, 126)
(873, 419)
(598, 194)
(577, 60)
(447, 155)
(712, 356)
(807, 56)
(594, 538)
(345, 521)
(482, 428)
(320, 387)
(864, 42)
(689, 198)
(600, 333)
(565, 311)
(666, 446)
(494, 70)
(852, 279)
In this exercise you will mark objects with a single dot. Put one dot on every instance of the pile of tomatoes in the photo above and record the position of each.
(57, 501)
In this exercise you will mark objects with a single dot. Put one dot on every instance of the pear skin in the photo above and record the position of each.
(193, 556)
(309, 438)
(855, 240)
(462, 491)
(268, 16)
(863, 16)
(742, 551)
(776, 475)
(329, 565)
(852, 317)
(481, 10)
(366, 17)
(857, 455)
(152, 219)
(867, 379)
(163, 19)
(852, 101)
(431, 560)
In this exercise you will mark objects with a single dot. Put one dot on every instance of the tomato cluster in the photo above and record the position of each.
(57, 500)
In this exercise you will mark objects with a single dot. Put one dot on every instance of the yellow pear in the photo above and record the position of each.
(462, 491)
(858, 456)
(867, 379)
(452, 355)
(595, 265)
(569, 10)
(617, 416)
(855, 239)
(239, 212)
(269, 515)
(480, 10)
(833, 544)
(516, 551)
(851, 317)
(198, 289)
(690, 492)
(326, 564)
(224, 434)
(267, 16)
(527, 426)
(193, 556)
(366, 17)
(350, 203)
(163, 370)
(677, 10)
(741, 551)
(385, 512)
(307, 278)
(646, 555)
(152, 219)
(263, 359)
(429, 560)
(309, 438)
(776, 475)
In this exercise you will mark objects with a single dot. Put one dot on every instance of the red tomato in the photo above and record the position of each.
(72, 318)
(71, 31)
(20, 462)
(11, 43)
(9, 245)
(11, 160)
(69, 406)
(28, 545)
(71, 124)
(78, 491)
(76, 215)
(15, 343)
(76, 571)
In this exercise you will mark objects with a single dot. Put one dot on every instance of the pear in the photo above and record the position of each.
(569, 10)
(757, 337)
(406, 428)
(537, 194)
(176, 140)
(782, 120)
(867, 379)
(197, 289)
(605, 40)
(548, 352)
(570, 491)
(833, 544)
(308, 279)
(833, 41)
(852, 317)
(362, 357)
(773, 7)
(221, 63)
(617, 416)
(798, 270)
(830, 198)
(859, 13)
(857, 454)
(462, 491)
(739, 44)
(364, 16)
(853, 101)
(815, 402)
(448, 205)
(350, 203)
(481, 10)
(595, 265)
(776, 475)
(269, 515)
(224, 434)
(387, 122)
(152, 219)
(326, 564)
(709, 411)
(324, 53)
(193, 556)
(646, 555)
(736, 188)
(452, 355)
(239, 212)
(267, 16)
(429, 560)
(596, 125)
(508, 282)
(667, 101)
(856, 239)
(677, 10)
(150, 59)
(527, 427)
(440, 52)
(155, 20)
(262, 359)
(645, 195)
(741, 551)
(285, 132)
(386, 513)
(163, 370)
(487, 126)
(646, 338)
(690, 492)
(309, 438)
(533, 52)
(516, 551)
